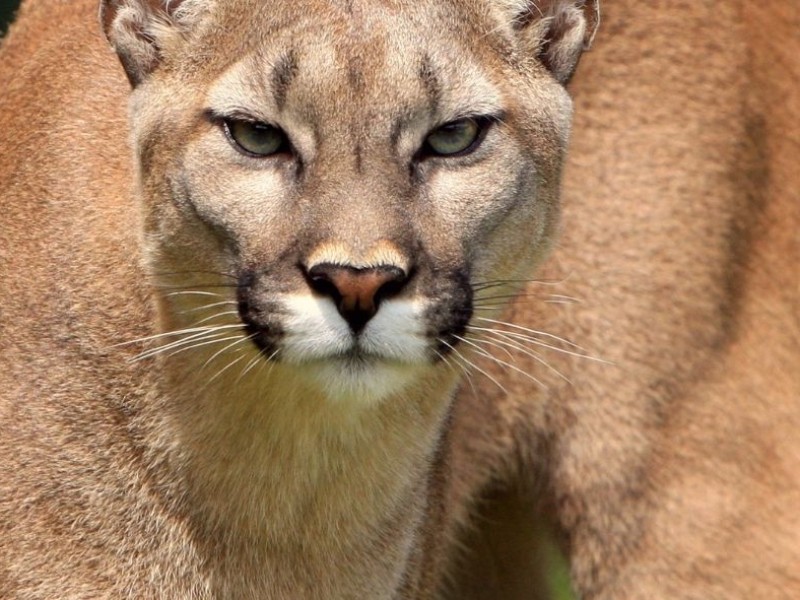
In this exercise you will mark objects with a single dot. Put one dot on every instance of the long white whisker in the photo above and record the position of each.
(466, 368)
(195, 341)
(221, 371)
(537, 342)
(458, 364)
(474, 366)
(484, 285)
(269, 362)
(500, 339)
(532, 331)
(563, 299)
(208, 306)
(523, 298)
(178, 332)
(501, 362)
(238, 340)
(194, 293)
(483, 340)
(218, 316)
(442, 357)
(259, 358)
(249, 366)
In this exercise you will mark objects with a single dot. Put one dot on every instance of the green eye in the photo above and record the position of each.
(257, 138)
(457, 137)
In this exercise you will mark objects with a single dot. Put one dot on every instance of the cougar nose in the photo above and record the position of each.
(356, 292)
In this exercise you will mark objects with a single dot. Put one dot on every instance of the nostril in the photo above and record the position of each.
(321, 282)
(392, 283)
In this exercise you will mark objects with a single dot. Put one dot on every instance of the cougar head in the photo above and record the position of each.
(345, 177)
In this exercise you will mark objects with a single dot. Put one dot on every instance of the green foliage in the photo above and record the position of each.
(556, 570)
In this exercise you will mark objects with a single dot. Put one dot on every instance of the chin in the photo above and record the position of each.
(362, 380)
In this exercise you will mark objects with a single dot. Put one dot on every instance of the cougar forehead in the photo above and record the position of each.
(359, 75)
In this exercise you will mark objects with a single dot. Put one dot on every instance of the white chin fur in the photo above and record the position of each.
(344, 380)
(384, 359)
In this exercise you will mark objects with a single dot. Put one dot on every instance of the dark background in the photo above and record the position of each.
(7, 10)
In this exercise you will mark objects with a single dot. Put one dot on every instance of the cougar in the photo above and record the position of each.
(277, 320)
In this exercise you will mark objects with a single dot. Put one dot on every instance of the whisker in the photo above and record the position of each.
(183, 345)
(258, 358)
(177, 273)
(501, 282)
(523, 296)
(195, 293)
(209, 306)
(249, 366)
(445, 360)
(502, 341)
(531, 331)
(580, 353)
(561, 298)
(238, 340)
(501, 362)
(196, 285)
(269, 361)
(464, 369)
(218, 315)
(474, 366)
(178, 332)
(221, 371)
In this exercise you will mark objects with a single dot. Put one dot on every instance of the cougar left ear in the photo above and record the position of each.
(556, 31)
(143, 31)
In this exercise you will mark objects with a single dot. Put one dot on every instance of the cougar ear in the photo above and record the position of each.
(143, 31)
(556, 31)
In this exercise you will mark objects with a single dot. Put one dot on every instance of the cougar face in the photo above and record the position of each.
(351, 244)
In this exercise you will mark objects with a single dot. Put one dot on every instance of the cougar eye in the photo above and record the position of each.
(454, 138)
(256, 138)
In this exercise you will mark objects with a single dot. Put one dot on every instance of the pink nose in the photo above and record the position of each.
(356, 292)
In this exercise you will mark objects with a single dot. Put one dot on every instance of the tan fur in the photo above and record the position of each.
(668, 471)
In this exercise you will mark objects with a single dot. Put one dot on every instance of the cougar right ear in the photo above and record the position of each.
(555, 31)
(142, 32)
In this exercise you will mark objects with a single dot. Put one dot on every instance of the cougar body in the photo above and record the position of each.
(239, 260)
(253, 341)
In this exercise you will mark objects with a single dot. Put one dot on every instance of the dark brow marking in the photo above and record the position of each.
(283, 73)
(431, 82)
